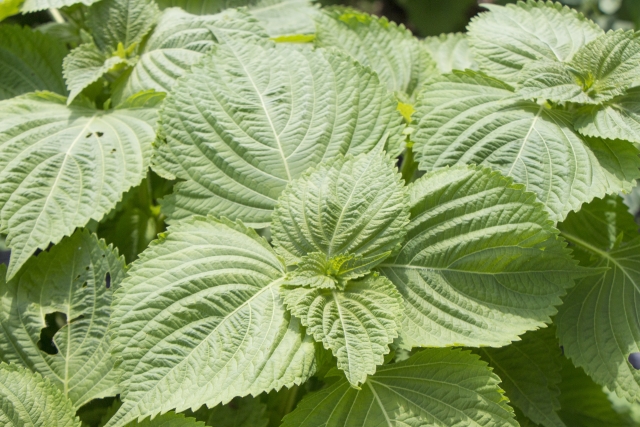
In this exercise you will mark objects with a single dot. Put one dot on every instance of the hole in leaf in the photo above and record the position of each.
(87, 268)
(634, 359)
(84, 285)
(54, 322)
(113, 151)
(99, 134)
(89, 135)
(107, 280)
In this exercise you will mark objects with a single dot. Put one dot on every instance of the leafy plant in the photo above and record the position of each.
(362, 228)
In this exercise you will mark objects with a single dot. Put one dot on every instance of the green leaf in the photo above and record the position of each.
(26, 399)
(551, 81)
(125, 22)
(279, 110)
(595, 324)
(62, 166)
(36, 5)
(616, 119)
(178, 42)
(435, 387)
(9, 8)
(85, 65)
(170, 419)
(240, 412)
(199, 321)
(77, 278)
(451, 52)
(530, 373)
(29, 61)
(466, 118)
(347, 206)
(508, 37)
(357, 323)
(481, 263)
(390, 50)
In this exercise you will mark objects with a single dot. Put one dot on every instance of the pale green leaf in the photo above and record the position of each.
(506, 38)
(466, 118)
(29, 61)
(451, 52)
(240, 412)
(551, 81)
(530, 373)
(85, 65)
(125, 22)
(278, 111)
(435, 387)
(356, 323)
(597, 322)
(198, 320)
(36, 5)
(347, 206)
(318, 271)
(62, 166)
(28, 400)
(77, 278)
(616, 119)
(481, 263)
(390, 50)
(9, 8)
(178, 42)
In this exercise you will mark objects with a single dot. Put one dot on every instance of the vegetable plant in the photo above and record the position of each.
(263, 213)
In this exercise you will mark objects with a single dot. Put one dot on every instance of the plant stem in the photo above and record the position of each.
(409, 166)
(56, 15)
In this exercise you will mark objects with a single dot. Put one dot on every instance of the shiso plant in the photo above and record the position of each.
(262, 213)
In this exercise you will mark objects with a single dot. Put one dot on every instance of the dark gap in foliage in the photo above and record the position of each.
(107, 280)
(54, 322)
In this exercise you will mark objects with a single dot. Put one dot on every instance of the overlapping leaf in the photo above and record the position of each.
(451, 52)
(616, 119)
(199, 321)
(36, 5)
(436, 387)
(76, 278)
(26, 399)
(278, 111)
(29, 61)
(240, 412)
(62, 166)
(466, 117)
(348, 206)
(170, 419)
(597, 323)
(481, 263)
(125, 22)
(390, 50)
(357, 323)
(508, 37)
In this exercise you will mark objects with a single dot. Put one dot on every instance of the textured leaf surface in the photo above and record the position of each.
(348, 206)
(85, 65)
(278, 111)
(178, 42)
(76, 278)
(481, 263)
(469, 118)
(616, 119)
(390, 50)
(357, 323)
(36, 5)
(508, 37)
(530, 373)
(551, 81)
(121, 21)
(597, 324)
(451, 52)
(199, 321)
(436, 387)
(26, 399)
(62, 166)
(240, 412)
(29, 61)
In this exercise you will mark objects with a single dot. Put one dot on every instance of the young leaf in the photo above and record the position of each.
(125, 22)
(9, 8)
(594, 323)
(451, 52)
(347, 206)
(178, 42)
(530, 373)
(61, 166)
(435, 387)
(240, 412)
(470, 118)
(357, 323)
(390, 50)
(615, 119)
(29, 61)
(76, 278)
(481, 263)
(278, 111)
(36, 5)
(85, 65)
(552, 81)
(199, 321)
(26, 399)
(508, 37)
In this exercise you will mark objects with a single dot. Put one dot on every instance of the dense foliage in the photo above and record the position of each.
(262, 212)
